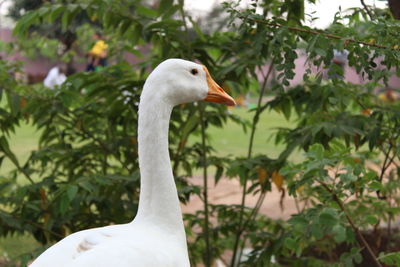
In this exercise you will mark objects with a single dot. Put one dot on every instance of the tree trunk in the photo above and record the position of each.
(394, 6)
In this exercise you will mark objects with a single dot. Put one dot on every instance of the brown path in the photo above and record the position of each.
(228, 191)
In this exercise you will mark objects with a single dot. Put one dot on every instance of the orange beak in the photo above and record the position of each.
(215, 93)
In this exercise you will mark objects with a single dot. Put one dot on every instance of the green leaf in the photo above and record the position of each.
(14, 101)
(290, 243)
(190, 125)
(312, 43)
(320, 52)
(65, 19)
(170, 12)
(372, 220)
(63, 205)
(57, 10)
(72, 191)
(327, 219)
(339, 233)
(124, 26)
(370, 175)
(286, 108)
(5, 148)
(348, 177)
(165, 5)
(373, 138)
(198, 30)
(317, 231)
(316, 151)
(358, 258)
(391, 259)
(298, 220)
(25, 23)
(218, 174)
(147, 12)
(376, 185)
(1, 160)
(87, 186)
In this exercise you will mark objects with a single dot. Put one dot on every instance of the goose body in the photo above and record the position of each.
(156, 237)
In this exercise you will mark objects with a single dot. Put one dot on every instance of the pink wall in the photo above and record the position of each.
(350, 73)
(41, 66)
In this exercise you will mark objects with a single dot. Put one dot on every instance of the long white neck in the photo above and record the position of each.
(158, 203)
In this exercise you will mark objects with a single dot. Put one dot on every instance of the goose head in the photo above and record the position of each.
(179, 81)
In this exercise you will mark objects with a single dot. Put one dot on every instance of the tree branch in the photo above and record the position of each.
(105, 148)
(394, 6)
(208, 254)
(20, 169)
(361, 238)
(367, 9)
(386, 163)
(253, 130)
(327, 35)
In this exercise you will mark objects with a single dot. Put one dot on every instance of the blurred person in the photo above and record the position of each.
(339, 60)
(97, 56)
(55, 77)
(388, 95)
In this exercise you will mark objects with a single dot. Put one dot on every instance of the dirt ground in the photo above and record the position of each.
(228, 191)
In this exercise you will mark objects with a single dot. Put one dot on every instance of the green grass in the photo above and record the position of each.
(22, 143)
(229, 140)
(15, 245)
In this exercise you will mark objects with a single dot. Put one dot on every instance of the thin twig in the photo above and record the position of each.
(183, 15)
(385, 166)
(389, 223)
(208, 252)
(386, 163)
(253, 130)
(105, 148)
(86, 133)
(251, 217)
(296, 203)
(208, 256)
(255, 210)
(38, 225)
(181, 145)
(361, 238)
(22, 170)
(328, 35)
(367, 9)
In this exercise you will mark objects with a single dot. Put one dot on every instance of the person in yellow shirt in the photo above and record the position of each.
(388, 95)
(97, 56)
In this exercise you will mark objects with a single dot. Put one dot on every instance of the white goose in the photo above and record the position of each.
(156, 237)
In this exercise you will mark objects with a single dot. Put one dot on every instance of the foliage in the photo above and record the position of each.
(19, 7)
(85, 172)
(54, 40)
(391, 258)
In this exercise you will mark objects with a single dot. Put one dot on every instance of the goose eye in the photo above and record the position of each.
(194, 71)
